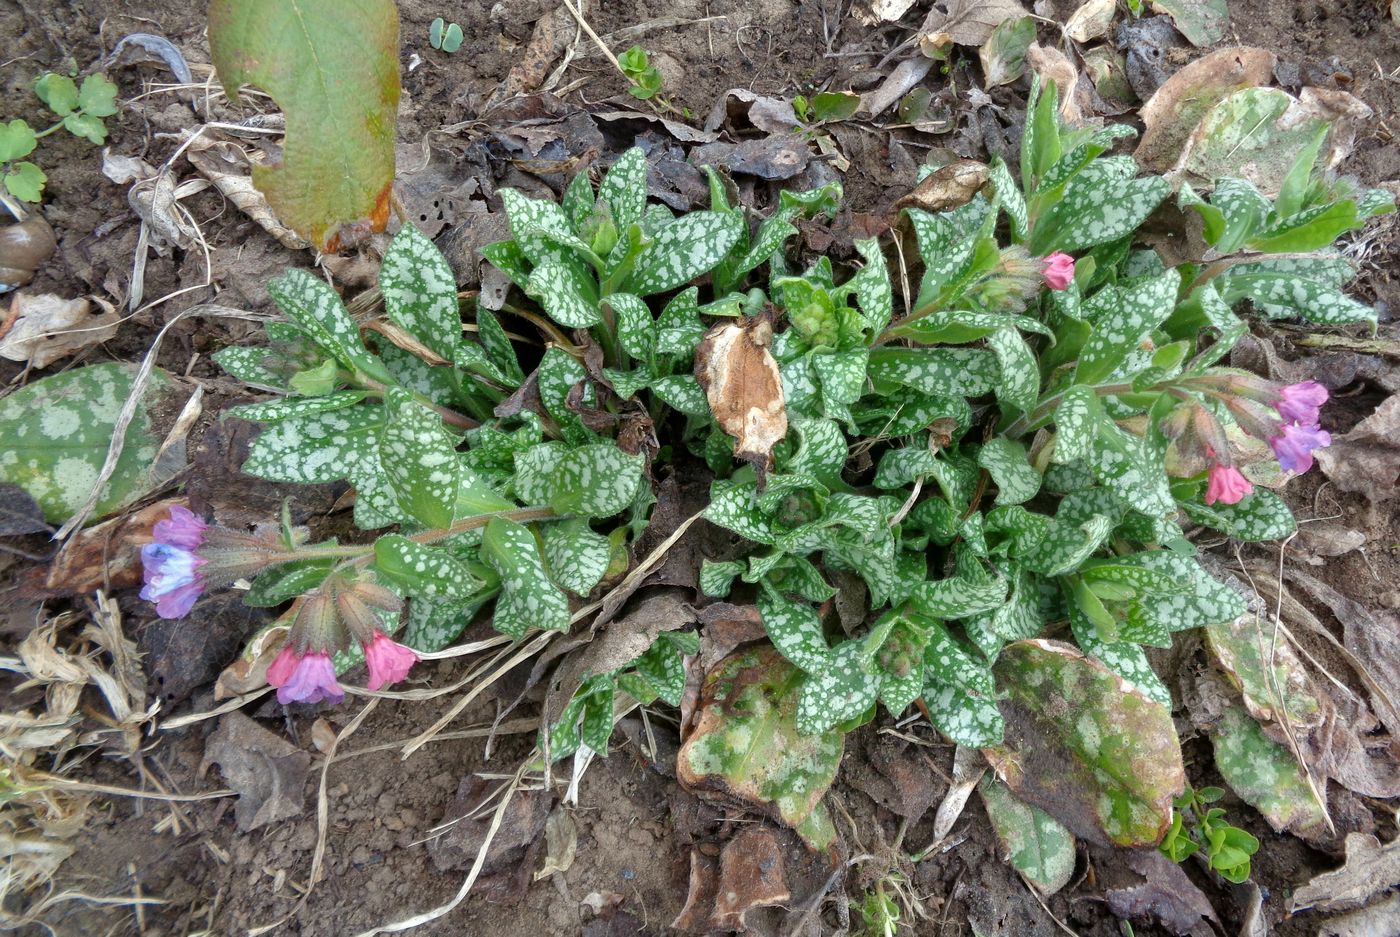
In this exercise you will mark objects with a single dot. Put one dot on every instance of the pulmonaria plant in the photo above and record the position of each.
(1000, 469)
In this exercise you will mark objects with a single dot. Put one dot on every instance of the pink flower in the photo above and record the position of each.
(389, 661)
(304, 678)
(1059, 270)
(1300, 403)
(1226, 485)
(170, 564)
(1294, 446)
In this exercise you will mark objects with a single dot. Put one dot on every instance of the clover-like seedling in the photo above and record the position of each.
(80, 111)
(644, 76)
(446, 37)
(1228, 848)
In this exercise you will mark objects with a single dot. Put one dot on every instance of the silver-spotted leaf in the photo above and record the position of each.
(1035, 843)
(529, 598)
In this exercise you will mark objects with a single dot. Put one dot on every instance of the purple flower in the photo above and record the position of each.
(389, 661)
(1226, 485)
(170, 564)
(1294, 446)
(1300, 403)
(304, 678)
(1059, 270)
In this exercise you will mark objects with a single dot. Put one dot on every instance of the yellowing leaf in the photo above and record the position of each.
(745, 391)
(333, 67)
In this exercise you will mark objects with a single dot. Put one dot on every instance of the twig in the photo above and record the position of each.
(597, 40)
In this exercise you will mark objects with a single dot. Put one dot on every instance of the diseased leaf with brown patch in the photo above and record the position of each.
(1097, 756)
(964, 23)
(744, 388)
(1178, 106)
(334, 69)
(944, 189)
(1266, 669)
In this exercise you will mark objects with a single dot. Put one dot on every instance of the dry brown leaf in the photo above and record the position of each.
(1052, 65)
(964, 23)
(107, 555)
(1367, 459)
(45, 327)
(1091, 20)
(750, 876)
(944, 189)
(249, 672)
(1178, 106)
(886, 11)
(744, 388)
(1370, 868)
(267, 771)
(229, 169)
(561, 843)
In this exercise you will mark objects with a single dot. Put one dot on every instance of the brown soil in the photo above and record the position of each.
(634, 824)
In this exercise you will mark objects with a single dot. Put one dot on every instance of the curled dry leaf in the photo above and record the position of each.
(1091, 20)
(42, 328)
(1178, 106)
(228, 168)
(750, 876)
(561, 842)
(1202, 22)
(1052, 65)
(249, 671)
(881, 11)
(1367, 459)
(964, 23)
(267, 771)
(1370, 868)
(947, 188)
(744, 388)
(24, 248)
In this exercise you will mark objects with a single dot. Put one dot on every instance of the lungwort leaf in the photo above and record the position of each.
(745, 744)
(334, 69)
(1037, 845)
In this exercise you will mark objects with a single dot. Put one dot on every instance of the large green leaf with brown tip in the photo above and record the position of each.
(745, 744)
(1101, 758)
(334, 69)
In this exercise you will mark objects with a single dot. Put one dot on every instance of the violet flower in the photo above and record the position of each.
(304, 678)
(1301, 402)
(1295, 444)
(171, 565)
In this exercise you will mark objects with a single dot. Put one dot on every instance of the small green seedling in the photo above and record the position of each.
(879, 913)
(826, 106)
(80, 111)
(644, 76)
(446, 37)
(1228, 848)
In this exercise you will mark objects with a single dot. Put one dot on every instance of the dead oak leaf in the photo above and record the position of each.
(744, 388)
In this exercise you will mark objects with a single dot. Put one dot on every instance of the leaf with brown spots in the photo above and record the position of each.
(744, 388)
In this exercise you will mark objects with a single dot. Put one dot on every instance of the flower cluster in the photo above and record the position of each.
(187, 555)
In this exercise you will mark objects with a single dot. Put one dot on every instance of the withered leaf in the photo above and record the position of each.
(744, 388)
(947, 188)
(267, 771)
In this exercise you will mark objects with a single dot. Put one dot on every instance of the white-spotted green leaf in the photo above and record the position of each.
(1064, 546)
(540, 227)
(535, 471)
(1101, 204)
(900, 467)
(682, 392)
(275, 410)
(1035, 843)
(963, 372)
(1007, 462)
(1018, 383)
(376, 501)
(597, 726)
(795, 631)
(1281, 295)
(821, 452)
(636, 330)
(736, 508)
(316, 309)
(683, 250)
(663, 665)
(422, 571)
(420, 292)
(497, 344)
(509, 258)
(1019, 617)
(316, 448)
(577, 555)
(433, 625)
(1121, 319)
(579, 201)
(841, 690)
(626, 384)
(1262, 515)
(624, 188)
(529, 598)
(798, 575)
(874, 295)
(55, 433)
(557, 374)
(1205, 601)
(420, 460)
(566, 292)
(679, 329)
(959, 692)
(842, 376)
(597, 480)
(716, 577)
(1132, 468)
(1076, 424)
(1125, 658)
(249, 365)
(1009, 196)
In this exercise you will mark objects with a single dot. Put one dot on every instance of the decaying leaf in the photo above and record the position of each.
(561, 842)
(745, 744)
(881, 11)
(946, 188)
(1144, 885)
(19, 513)
(1266, 669)
(1367, 458)
(744, 388)
(1090, 20)
(1257, 133)
(750, 876)
(267, 771)
(968, 768)
(249, 671)
(1003, 55)
(107, 555)
(44, 327)
(1099, 757)
(1202, 22)
(1178, 105)
(1370, 868)
(1108, 70)
(334, 68)
(511, 850)
(1035, 843)
(964, 23)
(1053, 65)
(1266, 775)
